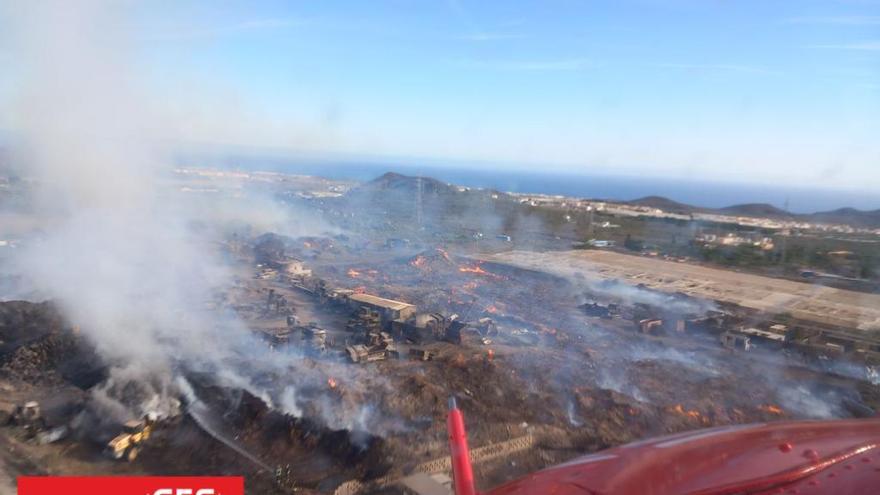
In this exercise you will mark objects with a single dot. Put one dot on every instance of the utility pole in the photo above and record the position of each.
(590, 223)
(419, 202)
(784, 235)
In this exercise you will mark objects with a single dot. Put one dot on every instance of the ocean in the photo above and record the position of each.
(698, 193)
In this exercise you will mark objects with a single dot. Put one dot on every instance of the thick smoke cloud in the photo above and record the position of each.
(113, 257)
(118, 252)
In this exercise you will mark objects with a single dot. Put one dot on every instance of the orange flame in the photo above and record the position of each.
(770, 408)
(545, 329)
(331, 383)
(353, 273)
(477, 269)
(459, 360)
(694, 414)
(490, 354)
(419, 261)
(444, 254)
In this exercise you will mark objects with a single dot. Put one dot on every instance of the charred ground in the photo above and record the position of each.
(551, 380)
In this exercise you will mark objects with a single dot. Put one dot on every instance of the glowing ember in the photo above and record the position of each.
(331, 383)
(546, 329)
(477, 269)
(491, 309)
(444, 254)
(353, 273)
(490, 354)
(459, 360)
(771, 409)
(419, 261)
(684, 412)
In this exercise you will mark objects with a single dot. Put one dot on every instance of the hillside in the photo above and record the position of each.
(664, 204)
(401, 193)
(399, 183)
(763, 210)
(849, 216)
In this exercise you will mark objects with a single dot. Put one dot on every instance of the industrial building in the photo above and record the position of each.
(388, 308)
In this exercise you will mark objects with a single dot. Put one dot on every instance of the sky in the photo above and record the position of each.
(782, 91)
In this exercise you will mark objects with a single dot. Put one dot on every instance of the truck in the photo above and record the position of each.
(128, 444)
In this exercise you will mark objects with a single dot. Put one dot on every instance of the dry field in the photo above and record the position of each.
(802, 300)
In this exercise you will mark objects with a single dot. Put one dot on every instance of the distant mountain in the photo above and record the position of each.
(665, 204)
(439, 200)
(392, 181)
(763, 210)
(396, 202)
(849, 216)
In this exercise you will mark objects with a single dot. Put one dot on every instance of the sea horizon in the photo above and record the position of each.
(694, 192)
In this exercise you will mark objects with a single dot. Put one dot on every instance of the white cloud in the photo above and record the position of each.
(571, 64)
(479, 37)
(844, 20)
(252, 25)
(720, 67)
(869, 46)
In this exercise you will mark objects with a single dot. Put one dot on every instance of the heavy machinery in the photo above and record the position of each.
(364, 322)
(420, 354)
(29, 417)
(134, 434)
(370, 343)
(315, 338)
(429, 327)
(380, 346)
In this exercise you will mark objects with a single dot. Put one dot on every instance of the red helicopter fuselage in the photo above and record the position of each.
(797, 457)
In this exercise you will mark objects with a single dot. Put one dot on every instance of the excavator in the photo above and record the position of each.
(840, 457)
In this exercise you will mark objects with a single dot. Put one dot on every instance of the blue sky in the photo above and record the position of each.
(750, 90)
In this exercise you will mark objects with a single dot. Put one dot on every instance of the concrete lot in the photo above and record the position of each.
(802, 300)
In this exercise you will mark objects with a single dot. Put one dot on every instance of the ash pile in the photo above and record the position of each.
(341, 371)
(65, 410)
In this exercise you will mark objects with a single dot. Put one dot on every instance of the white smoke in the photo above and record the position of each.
(632, 295)
(805, 401)
(114, 254)
(288, 402)
(117, 251)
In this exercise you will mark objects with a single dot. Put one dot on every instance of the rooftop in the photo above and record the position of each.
(380, 301)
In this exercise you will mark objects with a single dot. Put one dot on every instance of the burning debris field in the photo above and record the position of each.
(321, 360)
(308, 334)
(315, 335)
(334, 373)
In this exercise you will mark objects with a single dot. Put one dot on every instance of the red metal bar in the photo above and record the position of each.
(462, 473)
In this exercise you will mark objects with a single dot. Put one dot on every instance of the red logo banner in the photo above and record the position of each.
(131, 485)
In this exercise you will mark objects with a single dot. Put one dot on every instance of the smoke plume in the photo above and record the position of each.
(118, 252)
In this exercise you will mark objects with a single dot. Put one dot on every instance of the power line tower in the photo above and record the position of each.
(785, 233)
(590, 224)
(419, 202)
